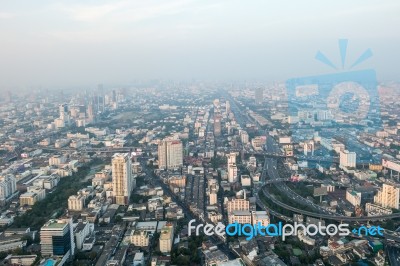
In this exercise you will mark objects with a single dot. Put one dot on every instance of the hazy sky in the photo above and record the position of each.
(82, 43)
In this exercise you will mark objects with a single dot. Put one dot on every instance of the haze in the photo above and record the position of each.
(82, 43)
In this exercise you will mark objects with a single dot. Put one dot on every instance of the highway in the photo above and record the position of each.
(271, 165)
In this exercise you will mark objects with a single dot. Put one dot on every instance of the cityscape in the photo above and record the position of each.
(189, 133)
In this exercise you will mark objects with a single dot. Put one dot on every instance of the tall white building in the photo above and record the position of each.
(388, 196)
(232, 168)
(57, 238)
(8, 185)
(170, 154)
(122, 179)
(347, 158)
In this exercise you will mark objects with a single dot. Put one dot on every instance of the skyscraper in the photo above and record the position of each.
(122, 179)
(227, 107)
(57, 238)
(170, 154)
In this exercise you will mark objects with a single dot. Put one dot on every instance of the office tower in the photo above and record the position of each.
(227, 107)
(308, 148)
(8, 185)
(347, 159)
(258, 95)
(122, 179)
(170, 154)
(388, 196)
(57, 238)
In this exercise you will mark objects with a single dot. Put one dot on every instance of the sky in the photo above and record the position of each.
(58, 44)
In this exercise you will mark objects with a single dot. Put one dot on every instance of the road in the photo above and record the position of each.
(154, 180)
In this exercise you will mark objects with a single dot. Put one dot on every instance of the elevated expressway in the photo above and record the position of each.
(339, 218)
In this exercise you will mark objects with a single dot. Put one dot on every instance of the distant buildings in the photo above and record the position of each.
(170, 154)
(57, 239)
(122, 179)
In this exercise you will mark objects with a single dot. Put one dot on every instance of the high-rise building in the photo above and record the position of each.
(388, 196)
(8, 185)
(57, 238)
(122, 179)
(170, 154)
(347, 158)
(232, 168)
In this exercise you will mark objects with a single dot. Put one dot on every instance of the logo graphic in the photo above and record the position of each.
(328, 112)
